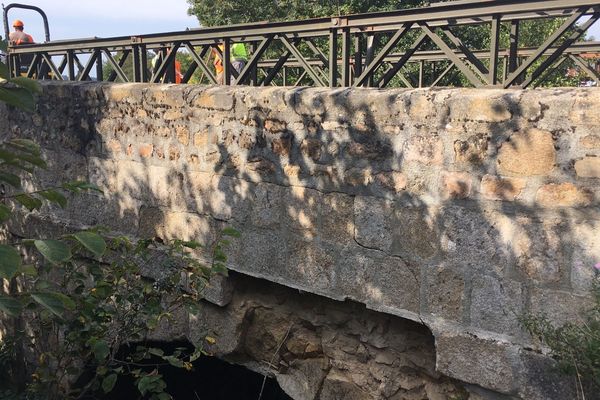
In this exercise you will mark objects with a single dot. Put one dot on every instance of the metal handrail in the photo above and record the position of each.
(350, 61)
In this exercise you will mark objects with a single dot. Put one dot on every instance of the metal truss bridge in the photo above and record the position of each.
(405, 48)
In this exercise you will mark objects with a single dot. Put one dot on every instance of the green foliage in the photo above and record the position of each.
(576, 347)
(227, 12)
(78, 298)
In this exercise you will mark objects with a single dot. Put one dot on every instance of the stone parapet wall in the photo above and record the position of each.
(461, 209)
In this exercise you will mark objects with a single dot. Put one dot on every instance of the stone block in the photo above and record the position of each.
(559, 306)
(214, 99)
(540, 379)
(373, 223)
(563, 195)
(456, 185)
(337, 386)
(589, 167)
(219, 290)
(484, 106)
(301, 208)
(312, 148)
(539, 249)
(145, 150)
(267, 205)
(484, 362)
(392, 180)
(471, 151)
(414, 234)
(501, 188)
(527, 153)
(427, 150)
(167, 225)
(445, 291)
(337, 223)
(165, 95)
(591, 142)
(496, 304)
(303, 381)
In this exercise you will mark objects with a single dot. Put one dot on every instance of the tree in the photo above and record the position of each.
(227, 12)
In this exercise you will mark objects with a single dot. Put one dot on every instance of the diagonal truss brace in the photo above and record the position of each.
(313, 74)
(474, 79)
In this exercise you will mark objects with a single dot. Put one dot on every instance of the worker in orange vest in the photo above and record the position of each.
(19, 37)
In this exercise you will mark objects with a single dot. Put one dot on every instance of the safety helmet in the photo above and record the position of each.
(18, 23)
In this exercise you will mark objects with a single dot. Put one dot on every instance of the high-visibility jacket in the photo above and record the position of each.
(238, 53)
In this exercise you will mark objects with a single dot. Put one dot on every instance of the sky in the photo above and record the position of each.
(71, 19)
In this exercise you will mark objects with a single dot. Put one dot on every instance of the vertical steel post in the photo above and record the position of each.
(346, 55)
(99, 71)
(421, 67)
(333, 67)
(358, 52)
(144, 76)
(370, 55)
(514, 47)
(254, 72)
(70, 65)
(226, 61)
(136, 64)
(494, 48)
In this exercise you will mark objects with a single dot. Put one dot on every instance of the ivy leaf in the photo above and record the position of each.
(18, 97)
(5, 212)
(33, 159)
(31, 203)
(54, 251)
(231, 232)
(78, 186)
(108, 383)
(57, 303)
(174, 361)
(100, 349)
(12, 179)
(10, 306)
(156, 352)
(10, 261)
(92, 241)
(54, 197)
(25, 145)
(26, 83)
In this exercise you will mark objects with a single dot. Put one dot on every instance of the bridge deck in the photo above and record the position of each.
(412, 47)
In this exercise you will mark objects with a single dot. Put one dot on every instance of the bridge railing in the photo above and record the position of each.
(412, 47)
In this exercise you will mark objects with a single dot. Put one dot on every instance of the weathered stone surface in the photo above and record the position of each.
(487, 107)
(425, 150)
(441, 205)
(588, 167)
(446, 292)
(563, 195)
(485, 362)
(499, 188)
(496, 304)
(590, 142)
(456, 185)
(528, 153)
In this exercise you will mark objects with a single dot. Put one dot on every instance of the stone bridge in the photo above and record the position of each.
(447, 213)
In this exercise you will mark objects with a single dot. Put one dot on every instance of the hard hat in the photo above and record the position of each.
(18, 23)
